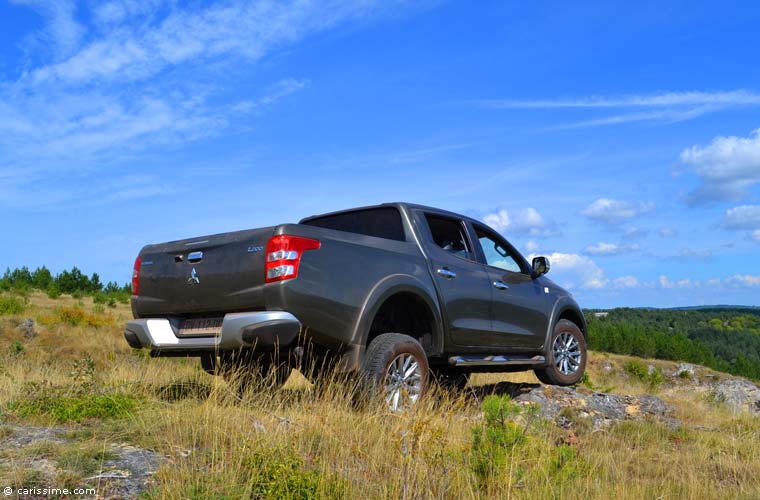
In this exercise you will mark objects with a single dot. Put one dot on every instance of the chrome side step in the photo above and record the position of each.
(495, 360)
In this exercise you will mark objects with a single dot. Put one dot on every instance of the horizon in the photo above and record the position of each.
(621, 141)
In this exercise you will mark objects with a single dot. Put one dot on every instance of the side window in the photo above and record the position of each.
(382, 222)
(449, 234)
(496, 254)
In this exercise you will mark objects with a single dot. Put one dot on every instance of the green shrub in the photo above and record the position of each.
(637, 369)
(282, 474)
(17, 348)
(53, 291)
(492, 442)
(654, 378)
(62, 406)
(11, 305)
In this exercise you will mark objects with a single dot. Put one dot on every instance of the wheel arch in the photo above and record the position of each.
(566, 308)
(398, 287)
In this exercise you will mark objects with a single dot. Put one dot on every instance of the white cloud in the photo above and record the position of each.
(743, 280)
(525, 221)
(611, 211)
(683, 283)
(531, 246)
(691, 253)
(625, 282)
(62, 32)
(668, 232)
(249, 30)
(603, 248)
(742, 217)
(727, 167)
(634, 233)
(574, 271)
(665, 107)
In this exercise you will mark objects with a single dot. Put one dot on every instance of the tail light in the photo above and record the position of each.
(284, 254)
(136, 276)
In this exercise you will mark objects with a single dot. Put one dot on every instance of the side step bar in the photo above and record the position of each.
(495, 360)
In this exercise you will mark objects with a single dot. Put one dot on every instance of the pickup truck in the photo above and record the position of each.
(398, 293)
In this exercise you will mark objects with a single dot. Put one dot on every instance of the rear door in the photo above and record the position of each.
(462, 281)
(519, 315)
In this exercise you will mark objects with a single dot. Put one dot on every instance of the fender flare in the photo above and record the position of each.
(392, 285)
(563, 304)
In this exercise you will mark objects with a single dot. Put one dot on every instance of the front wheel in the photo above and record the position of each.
(396, 367)
(566, 355)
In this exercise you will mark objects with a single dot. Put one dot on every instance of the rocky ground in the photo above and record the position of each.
(125, 473)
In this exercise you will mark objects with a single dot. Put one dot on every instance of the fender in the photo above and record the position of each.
(391, 285)
(562, 304)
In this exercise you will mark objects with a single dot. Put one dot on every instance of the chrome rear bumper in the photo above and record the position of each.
(262, 328)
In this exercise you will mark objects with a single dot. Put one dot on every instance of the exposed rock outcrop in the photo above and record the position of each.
(564, 405)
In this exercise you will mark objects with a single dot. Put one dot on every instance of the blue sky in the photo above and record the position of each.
(620, 139)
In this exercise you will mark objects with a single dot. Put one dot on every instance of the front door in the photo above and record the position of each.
(518, 313)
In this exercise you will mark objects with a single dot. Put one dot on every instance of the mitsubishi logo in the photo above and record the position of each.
(193, 279)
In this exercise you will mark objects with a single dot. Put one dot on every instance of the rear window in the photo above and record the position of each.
(377, 222)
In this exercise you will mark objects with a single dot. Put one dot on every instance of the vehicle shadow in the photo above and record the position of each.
(511, 389)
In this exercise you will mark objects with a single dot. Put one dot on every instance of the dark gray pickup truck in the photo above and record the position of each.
(397, 292)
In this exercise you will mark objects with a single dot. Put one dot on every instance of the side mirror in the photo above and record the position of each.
(541, 266)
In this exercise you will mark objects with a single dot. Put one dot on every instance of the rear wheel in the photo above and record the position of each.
(566, 355)
(396, 368)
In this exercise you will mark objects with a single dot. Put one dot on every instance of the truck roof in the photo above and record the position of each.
(397, 204)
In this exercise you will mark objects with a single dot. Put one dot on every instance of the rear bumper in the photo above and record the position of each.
(262, 329)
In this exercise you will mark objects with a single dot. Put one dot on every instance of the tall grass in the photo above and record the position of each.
(304, 441)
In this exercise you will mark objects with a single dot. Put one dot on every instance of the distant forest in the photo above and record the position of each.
(726, 339)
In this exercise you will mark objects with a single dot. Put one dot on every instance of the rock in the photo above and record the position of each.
(564, 405)
(607, 367)
(650, 369)
(684, 370)
(129, 474)
(739, 394)
(26, 328)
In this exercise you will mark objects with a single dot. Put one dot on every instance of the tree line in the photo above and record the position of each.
(73, 282)
(724, 339)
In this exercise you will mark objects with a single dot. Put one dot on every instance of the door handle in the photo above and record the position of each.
(446, 273)
(500, 285)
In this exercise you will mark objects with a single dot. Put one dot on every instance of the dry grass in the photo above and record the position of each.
(295, 443)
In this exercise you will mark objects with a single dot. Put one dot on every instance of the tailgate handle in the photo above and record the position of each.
(194, 256)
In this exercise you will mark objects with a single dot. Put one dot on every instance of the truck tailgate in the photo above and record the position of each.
(195, 276)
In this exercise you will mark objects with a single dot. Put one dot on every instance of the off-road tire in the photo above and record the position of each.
(551, 374)
(381, 353)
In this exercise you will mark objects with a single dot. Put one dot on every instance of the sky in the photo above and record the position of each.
(620, 139)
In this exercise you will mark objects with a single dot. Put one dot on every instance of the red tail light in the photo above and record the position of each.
(284, 254)
(136, 276)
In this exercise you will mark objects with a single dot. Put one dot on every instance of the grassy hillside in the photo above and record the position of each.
(78, 374)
